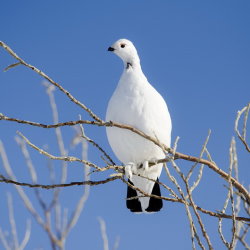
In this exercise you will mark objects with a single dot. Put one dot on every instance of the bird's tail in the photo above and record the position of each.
(144, 204)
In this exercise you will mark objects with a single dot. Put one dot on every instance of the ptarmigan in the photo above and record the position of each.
(136, 103)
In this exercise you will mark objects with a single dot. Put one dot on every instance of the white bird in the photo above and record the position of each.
(135, 102)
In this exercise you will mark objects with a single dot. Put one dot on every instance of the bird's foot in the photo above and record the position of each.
(145, 166)
(129, 168)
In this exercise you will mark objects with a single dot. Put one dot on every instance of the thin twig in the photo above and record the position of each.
(4, 240)
(27, 202)
(242, 237)
(232, 163)
(104, 233)
(193, 229)
(52, 186)
(62, 158)
(228, 198)
(116, 244)
(31, 169)
(80, 205)
(26, 236)
(200, 157)
(243, 136)
(198, 216)
(111, 162)
(63, 152)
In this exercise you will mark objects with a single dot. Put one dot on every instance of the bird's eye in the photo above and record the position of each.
(123, 45)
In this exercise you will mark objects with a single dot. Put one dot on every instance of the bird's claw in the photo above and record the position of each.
(129, 168)
(145, 166)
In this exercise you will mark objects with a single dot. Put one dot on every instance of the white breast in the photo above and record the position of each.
(135, 102)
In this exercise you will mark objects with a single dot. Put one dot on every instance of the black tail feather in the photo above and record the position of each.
(134, 205)
(155, 205)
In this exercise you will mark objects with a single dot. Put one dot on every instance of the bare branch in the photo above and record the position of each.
(62, 158)
(31, 169)
(27, 202)
(19, 189)
(176, 155)
(27, 158)
(42, 74)
(198, 216)
(188, 212)
(200, 157)
(13, 243)
(103, 233)
(26, 236)
(12, 222)
(193, 230)
(228, 198)
(80, 205)
(111, 162)
(117, 242)
(12, 180)
(232, 163)
(242, 237)
(242, 136)
(4, 240)
(52, 186)
(63, 152)
(12, 66)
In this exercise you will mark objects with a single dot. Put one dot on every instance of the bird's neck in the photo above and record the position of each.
(133, 64)
(132, 75)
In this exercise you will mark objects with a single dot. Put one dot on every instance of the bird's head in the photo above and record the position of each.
(126, 51)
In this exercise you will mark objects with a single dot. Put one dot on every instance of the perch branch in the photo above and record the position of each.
(177, 155)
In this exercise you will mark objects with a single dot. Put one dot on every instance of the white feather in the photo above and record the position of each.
(135, 102)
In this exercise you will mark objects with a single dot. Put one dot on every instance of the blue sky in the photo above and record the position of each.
(195, 53)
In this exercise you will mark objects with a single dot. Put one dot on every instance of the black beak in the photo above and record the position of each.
(111, 49)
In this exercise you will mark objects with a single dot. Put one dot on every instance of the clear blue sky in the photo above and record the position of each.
(195, 53)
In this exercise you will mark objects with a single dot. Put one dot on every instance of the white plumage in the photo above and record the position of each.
(135, 102)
